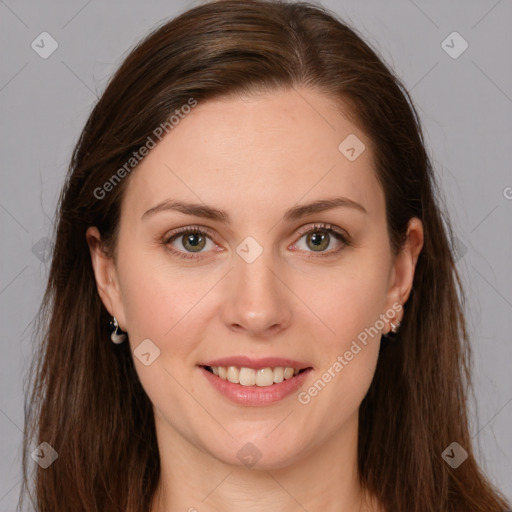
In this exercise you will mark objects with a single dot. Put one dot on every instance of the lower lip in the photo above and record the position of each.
(256, 395)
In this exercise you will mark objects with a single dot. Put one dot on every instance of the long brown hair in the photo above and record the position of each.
(85, 398)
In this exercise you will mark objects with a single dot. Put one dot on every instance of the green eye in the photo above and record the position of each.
(318, 238)
(191, 239)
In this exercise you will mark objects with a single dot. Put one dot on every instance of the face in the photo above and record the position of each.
(258, 281)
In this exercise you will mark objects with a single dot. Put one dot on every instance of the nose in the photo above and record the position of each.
(258, 301)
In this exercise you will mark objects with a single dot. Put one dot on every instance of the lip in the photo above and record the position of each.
(257, 364)
(255, 395)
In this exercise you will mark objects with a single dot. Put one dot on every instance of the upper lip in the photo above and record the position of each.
(256, 364)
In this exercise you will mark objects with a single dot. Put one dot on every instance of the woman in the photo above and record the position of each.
(251, 208)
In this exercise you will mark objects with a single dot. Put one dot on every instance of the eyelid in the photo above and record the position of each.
(343, 237)
(301, 231)
(175, 233)
(320, 225)
(185, 229)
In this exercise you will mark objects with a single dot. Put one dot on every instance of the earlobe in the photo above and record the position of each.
(105, 275)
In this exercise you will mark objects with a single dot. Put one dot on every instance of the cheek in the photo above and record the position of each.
(341, 392)
(348, 355)
(334, 395)
(349, 302)
(348, 299)
(159, 300)
(163, 305)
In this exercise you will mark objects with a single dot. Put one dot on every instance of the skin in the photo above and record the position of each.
(255, 158)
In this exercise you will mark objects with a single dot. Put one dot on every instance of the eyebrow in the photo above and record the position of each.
(294, 213)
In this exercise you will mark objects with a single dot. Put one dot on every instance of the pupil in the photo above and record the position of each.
(318, 239)
(194, 241)
(191, 237)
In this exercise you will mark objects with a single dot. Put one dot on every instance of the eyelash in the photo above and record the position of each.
(200, 230)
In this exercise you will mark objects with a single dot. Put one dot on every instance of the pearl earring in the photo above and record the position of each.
(394, 329)
(117, 335)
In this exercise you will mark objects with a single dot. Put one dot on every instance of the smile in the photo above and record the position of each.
(262, 377)
(251, 382)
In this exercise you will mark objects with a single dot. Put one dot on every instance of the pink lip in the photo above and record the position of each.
(256, 364)
(255, 395)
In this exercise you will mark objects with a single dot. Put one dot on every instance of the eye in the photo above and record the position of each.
(189, 242)
(319, 237)
(192, 239)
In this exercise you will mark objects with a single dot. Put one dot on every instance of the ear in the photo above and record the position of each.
(402, 274)
(105, 273)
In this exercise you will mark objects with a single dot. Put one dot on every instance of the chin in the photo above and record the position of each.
(258, 453)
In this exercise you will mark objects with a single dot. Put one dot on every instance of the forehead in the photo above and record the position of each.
(258, 154)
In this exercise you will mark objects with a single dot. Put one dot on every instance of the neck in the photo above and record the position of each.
(323, 479)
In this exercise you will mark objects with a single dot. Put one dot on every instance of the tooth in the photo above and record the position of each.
(264, 377)
(278, 374)
(247, 377)
(288, 373)
(250, 377)
(233, 374)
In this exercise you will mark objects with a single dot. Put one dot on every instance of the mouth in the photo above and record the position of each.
(255, 382)
(255, 377)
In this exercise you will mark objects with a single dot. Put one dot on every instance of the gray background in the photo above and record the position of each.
(465, 104)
